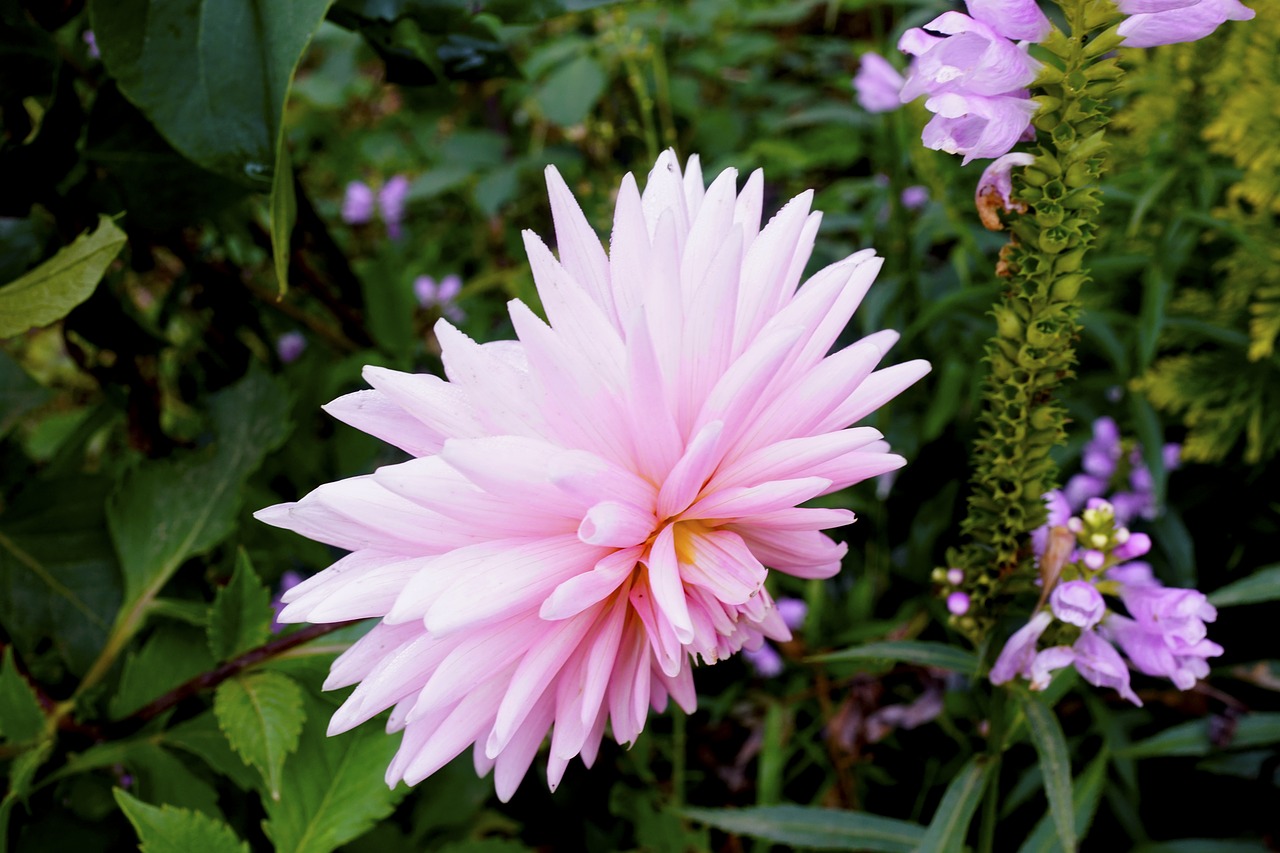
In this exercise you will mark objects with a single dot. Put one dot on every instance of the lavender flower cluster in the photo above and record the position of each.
(975, 69)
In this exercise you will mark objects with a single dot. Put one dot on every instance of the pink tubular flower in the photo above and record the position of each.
(391, 202)
(976, 125)
(1020, 651)
(1013, 19)
(995, 189)
(1156, 22)
(592, 507)
(358, 203)
(1078, 603)
(877, 84)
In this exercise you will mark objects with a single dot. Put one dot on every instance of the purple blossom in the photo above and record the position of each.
(1013, 19)
(391, 203)
(1157, 22)
(290, 345)
(793, 611)
(1020, 650)
(1137, 545)
(765, 660)
(1078, 603)
(877, 84)
(288, 581)
(357, 204)
(91, 44)
(977, 125)
(995, 188)
(1101, 665)
(915, 197)
(1059, 514)
(955, 576)
(957, 603)
(433, 295)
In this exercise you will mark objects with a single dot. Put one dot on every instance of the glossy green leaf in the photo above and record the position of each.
(951, 821)
(262, 715)
(166, 829)
(1055, 765)
(49, 292)
(20, 715)
(1085, 794)
(1262, 585)
(240, 616)
(333, 787)
(920, 652)
(817, 828)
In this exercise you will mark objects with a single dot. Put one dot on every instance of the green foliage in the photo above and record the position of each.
(48, 292)
(960, 801)
(171, 830)
(922, 653)
(240, 616)
(1260, 587)
(262, 715)
(819, 829)
(1055, 765)
(20, 716)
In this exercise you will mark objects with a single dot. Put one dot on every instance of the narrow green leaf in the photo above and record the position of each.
(333, 788)
(262, 715)
(1055, 765)
(165, 829)
(49, 292)
(773, 754)
(951, 822)
(240, 616)
(284, 213)
(1206, 845)
(1085, 794)
(1192, 737)
(921, 652)
(20, 716)
(818, 828)
(1262, 585)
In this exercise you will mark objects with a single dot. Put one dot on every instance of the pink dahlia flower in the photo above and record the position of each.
(596, 505)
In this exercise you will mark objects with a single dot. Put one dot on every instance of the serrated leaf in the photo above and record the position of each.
(240, 616)
(920, 652)
(201, 736)
(172, 654)
(262, 715)
(333, 788)
(1261, 586)
(818, 828)
(165, 829)
(167, 511)
(20, 716)
(1055, 765)
(49, 292)
(951, 821)
(1085, 794)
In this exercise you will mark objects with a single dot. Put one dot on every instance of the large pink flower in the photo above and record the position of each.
(593, 506)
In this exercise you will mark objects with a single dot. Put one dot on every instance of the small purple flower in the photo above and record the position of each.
(1059, 515)
(91, 44)
(1078, 603)
(357, 204)
(1013, 19)
(1047, 662)
(1101, 665)
(957, 603)
(290, 345)
(391, 202)
(1172, 456)
(955, 576)
(877, 84)
(995, 188)
(1136, 545)
(288, 581)
(977, 125)
(792, 611)
(433, 295)
(1157, 22)
(1020, 651)
(915, 197)
(765, 660)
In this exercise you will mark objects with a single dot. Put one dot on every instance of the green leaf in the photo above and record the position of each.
(163, 778)
(950, 823)
(22, 771)
(284, 214)
(333, 787)
(166, 829)
(173, 653)
(1055, 765)
(1192, 737)
(1262, 585)
(1206, 845)
(49, 292)
(19, 393)
(20, 715)
(58, 581)
(201, 736)
(823, 829)
(1085, 794)
(240, 616)
(170, 510)
(568, 94)
(921, 652)
(261, 714)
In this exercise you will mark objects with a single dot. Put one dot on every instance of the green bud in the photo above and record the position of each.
(1033, 177)
(1079, 175)
(1054, 240)
(1069, 261)
(1007, 323)
(1063, 135)
(1067, 287)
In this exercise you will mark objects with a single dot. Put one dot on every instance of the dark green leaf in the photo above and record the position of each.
(823, 829)
(1085, 794)
(22, 772)
(240, 616)
(163, 778)
(1055, 765)
(284, 214)
(1205, 845)
(569, 93)
(20, 715)
(1262, 585)
(49, 292)
(333, 789)
(261, 714)
(172, 830)
(951, 821)
(172, 654)
(920, 652)
(19, 393)
(1192, 737)
(201, 736)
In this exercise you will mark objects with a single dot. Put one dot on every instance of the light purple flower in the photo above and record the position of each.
(1137, 545)
(1167, 635)
(1101, 665)
(977, 125)
(391, 202)
(1046, 663)
(1013, 19)
(877, 84)
(1020, 651)
(973, 60)
(290, 345)
(955, 576)
(792, 611)
(958, 603)
(433, 295)
(357, 204)
(1078, 603)
(91, 44)
(1156, 22)
(915, 197)
(1059, 514)
(288, 581)
(765, 660)
(995, 188)
(1172, 456)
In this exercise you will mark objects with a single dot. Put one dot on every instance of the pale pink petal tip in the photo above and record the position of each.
(592, 509)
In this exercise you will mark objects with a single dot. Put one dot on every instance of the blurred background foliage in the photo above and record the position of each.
(139, 431)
